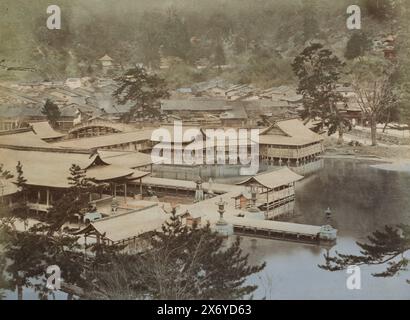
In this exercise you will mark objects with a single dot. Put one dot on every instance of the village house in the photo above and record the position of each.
(213, 88)
(198, 111)
(237, 117)
(277, 93)
(239, 92)
(107, 63)
(24, 104)
(73, 83)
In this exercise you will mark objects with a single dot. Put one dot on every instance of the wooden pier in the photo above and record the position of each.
(285, 231)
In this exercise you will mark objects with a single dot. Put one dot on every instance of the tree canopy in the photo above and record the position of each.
(377, 93)
(319, 71)
(182, 263)
(142, 91)
(51, 111)
(357, 45)
(385, 247)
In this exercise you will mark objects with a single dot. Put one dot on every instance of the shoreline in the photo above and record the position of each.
(357, 157)
(380, 153)
(401, 165)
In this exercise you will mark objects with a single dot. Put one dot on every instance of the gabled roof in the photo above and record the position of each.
(131, 224)
(51, 168)
(282, 90)
(204, 86)
(194, 105)
(239, 87)
(128, 159)
(273, 179)
(109, 172)
(106, 58)
(288, 132)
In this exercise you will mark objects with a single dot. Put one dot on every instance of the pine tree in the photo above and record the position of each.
(143, 91)
(5, 177)
(21, 181)
(5, 174)
(319, 71)
(357, 45)
(21, 210)
(387, 248)
(26, 255)
(51, 111)
(74, 201)
(78, 180)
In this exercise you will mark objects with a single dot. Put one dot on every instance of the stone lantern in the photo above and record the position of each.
(222, 226)
(253, 191)
(327, 232)
(199, 192)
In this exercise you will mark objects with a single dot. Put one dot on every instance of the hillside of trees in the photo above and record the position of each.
(258, 39)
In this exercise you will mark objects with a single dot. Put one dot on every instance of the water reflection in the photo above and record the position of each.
(362, 199)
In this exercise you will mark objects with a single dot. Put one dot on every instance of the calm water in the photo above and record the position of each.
(362, 199)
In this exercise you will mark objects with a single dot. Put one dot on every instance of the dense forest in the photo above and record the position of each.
(258, 39)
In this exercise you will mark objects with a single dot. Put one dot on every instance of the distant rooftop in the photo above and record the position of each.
(195, 105)
(106, 58)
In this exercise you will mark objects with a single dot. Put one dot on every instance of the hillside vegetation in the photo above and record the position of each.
(257, 39)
